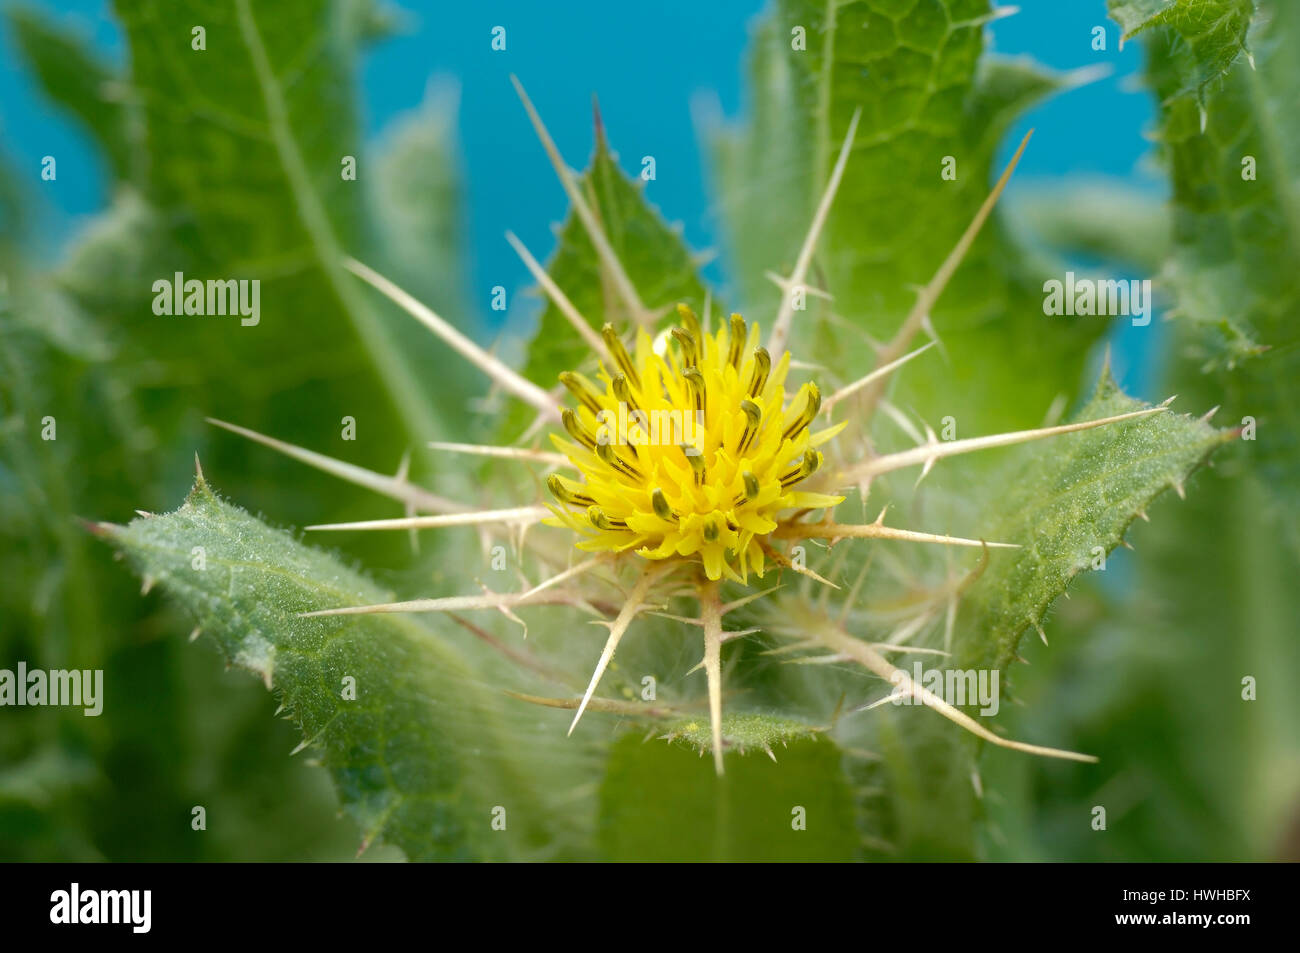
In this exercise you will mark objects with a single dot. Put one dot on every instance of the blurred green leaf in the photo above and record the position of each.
(416, 205)
(750, 814)
(1104, 218)
(73, 76)
(369, 21)
(248, 141)
(916, 800)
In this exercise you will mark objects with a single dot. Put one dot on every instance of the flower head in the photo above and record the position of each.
(687, 453)
(688, 448)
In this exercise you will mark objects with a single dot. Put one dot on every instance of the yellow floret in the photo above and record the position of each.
(688, 449)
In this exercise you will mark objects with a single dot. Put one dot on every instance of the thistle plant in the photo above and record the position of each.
(716, 526)
(675, 511)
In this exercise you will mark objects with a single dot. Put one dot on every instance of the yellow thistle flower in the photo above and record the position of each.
(689, 450)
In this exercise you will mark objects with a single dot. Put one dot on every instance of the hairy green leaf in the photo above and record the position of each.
(415, 755)
(1067, 505)
(1205, 36)
(744, 733)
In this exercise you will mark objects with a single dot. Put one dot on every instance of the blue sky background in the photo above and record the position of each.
(648, 65)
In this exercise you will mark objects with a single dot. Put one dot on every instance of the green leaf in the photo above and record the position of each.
(1101, 218)
(1156, 690)
(1067, 503)
(415, 202)
(744, 733)
(916, 801)
(1236, 236)
(1205, 36)
(652, 252)
(664, 803)
(915, 71)
(368, 21)
(415, 209)
(113, 258)
(415, 757)
(656, 259)
(1203, 617)
(74, 77)
(246, 140)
